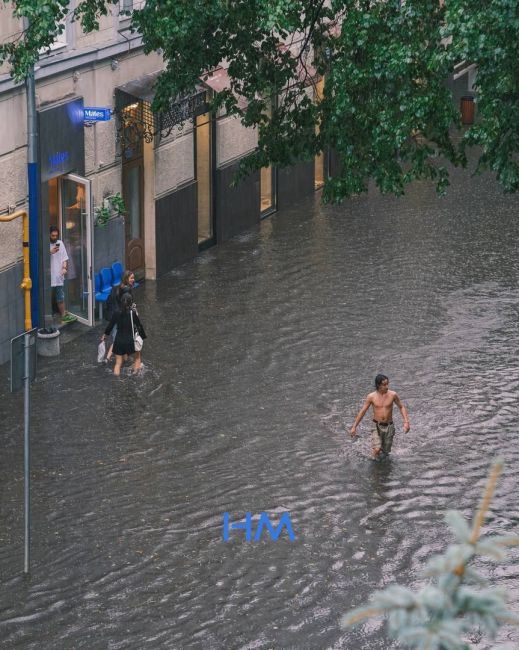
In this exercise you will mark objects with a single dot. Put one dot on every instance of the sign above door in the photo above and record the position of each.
(96, 114)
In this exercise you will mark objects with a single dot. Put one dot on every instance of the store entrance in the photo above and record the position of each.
(133, 195)
(69, 208)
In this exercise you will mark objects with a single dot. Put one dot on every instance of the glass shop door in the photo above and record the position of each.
(76, 233)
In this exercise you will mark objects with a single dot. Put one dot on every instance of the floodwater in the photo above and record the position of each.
(259, 355)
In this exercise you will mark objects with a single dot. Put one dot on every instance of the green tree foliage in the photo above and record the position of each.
(42, 20)
(441, 615)
(385, 111)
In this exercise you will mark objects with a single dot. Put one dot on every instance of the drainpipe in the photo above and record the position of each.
(33, 187)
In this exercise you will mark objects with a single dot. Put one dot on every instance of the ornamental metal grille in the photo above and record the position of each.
(137, 122)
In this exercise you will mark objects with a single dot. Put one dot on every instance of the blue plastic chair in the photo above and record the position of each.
(101, 296)
(106, 280)
(117, 273)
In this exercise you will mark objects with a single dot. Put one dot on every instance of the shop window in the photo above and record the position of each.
(203, 177)
(268, 182)
(268, 190)
(319, 163)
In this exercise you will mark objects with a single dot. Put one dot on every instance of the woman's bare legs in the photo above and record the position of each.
(118, 363)
(137, 361)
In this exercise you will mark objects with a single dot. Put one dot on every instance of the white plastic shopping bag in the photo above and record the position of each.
(101, 351)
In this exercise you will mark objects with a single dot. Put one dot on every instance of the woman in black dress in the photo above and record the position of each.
(124, 343)
(126, 286)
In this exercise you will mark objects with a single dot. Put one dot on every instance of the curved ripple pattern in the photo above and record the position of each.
(259, 355)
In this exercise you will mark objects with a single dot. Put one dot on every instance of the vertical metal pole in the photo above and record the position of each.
(26, 453)
(34, 208)
(34, 240)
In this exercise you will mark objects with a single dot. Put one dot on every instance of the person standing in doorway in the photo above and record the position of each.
(383, 430)
(58, 271)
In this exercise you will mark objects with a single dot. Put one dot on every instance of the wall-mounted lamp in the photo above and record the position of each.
(114, 64)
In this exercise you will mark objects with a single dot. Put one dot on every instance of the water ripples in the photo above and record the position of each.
(259, 355)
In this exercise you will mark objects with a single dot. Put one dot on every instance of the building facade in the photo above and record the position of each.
(173, 172)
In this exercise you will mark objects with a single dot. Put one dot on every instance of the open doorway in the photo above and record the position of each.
(68, 206)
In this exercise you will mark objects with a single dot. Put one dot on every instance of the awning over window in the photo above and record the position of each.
(141, 88)
(133, 108)
(218, 80)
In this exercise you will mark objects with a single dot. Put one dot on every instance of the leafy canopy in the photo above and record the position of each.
(385, 111)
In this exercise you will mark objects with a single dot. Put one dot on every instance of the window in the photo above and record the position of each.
(61, 39)
(125, 6)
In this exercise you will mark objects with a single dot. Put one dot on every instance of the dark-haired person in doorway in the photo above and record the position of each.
(58, 270)
(383, 430)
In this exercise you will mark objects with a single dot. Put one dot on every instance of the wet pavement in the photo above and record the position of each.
(259, 355)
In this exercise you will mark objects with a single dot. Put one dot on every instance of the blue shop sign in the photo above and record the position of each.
(58, 161)
(96, 114)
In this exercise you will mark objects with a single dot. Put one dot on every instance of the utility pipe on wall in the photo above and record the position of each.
(26, 283)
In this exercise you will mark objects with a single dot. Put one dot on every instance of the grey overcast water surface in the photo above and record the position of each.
(259, 355)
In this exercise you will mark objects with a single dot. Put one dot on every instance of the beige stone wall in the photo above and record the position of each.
(106, 31)
(10, 243)
(174, 164)
(14, 121)
(13, 191)
(105, 183)
(13, 172)
(10, 27)
(233, 140)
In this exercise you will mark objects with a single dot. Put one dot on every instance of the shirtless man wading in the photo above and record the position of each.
(383, 430)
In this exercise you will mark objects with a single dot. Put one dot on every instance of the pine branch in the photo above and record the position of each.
(495, 472)
(440, 616)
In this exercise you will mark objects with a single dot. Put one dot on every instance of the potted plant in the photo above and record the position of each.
(113, 205)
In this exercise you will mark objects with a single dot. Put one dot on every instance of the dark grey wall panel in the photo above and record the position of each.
(294, 183)
(11, 309)
(237, 208)
(109, 244)
(176, 230)
(62, 143)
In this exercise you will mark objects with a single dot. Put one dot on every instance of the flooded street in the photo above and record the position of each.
(259, 355)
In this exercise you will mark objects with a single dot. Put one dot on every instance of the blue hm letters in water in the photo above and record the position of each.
(264, 522)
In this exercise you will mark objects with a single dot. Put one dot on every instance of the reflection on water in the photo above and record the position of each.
(259, 355)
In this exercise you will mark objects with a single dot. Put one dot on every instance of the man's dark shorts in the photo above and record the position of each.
(58, 294)
(382, 436)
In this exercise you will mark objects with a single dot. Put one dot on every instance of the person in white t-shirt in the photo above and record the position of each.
(58, 270)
